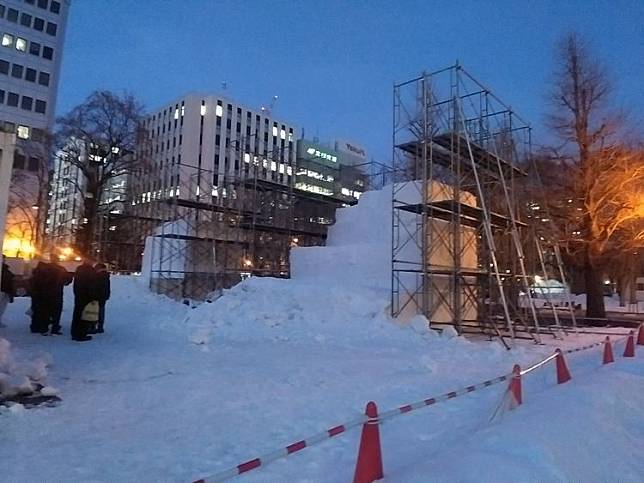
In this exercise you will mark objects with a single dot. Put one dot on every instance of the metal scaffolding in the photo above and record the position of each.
(211, 231)
(458, 237)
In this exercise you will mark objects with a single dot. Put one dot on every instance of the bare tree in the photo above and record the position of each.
(99, 138)
(594, 181)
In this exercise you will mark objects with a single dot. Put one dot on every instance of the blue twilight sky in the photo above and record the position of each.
(333, 63)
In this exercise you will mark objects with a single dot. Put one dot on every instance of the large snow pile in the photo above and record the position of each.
(339, 292)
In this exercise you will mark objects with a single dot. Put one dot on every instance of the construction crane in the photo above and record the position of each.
(269, 110)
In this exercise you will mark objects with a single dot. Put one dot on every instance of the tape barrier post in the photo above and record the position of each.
(640, 335)
(629, 350)
(563, 374)
(369, 464)
(516, 393)
(608, 352)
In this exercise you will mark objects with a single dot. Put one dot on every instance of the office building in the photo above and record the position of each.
(32, 34)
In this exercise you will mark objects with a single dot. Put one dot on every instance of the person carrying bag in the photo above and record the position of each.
(84, 297)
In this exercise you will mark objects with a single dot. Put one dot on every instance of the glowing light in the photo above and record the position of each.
(18, 247)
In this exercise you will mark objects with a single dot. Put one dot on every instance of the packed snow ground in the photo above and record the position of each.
(173, 393)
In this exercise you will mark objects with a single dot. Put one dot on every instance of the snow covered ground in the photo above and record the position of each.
(173, 393)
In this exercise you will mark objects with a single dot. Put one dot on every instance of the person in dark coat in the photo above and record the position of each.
(84, 293)
(102, 293)
(42, 279)
(60, 278)
(7, 289)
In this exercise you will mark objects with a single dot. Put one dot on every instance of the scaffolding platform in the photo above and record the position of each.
(448, 210)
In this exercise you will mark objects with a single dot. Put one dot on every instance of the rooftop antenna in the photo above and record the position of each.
(267, 111)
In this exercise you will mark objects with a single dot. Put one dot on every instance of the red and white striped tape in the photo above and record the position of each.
(342, 428)
(285, 451)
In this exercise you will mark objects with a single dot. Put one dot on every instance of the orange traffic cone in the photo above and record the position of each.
(640, 335)
(629, 350)
(369, 465)
(516, 394)
(563, 374)
(608, 352)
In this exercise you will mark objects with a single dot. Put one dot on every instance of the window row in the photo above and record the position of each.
(20, 161)
(13, 41)
(29, 21)
(24, 102)
(54, 5)
(19, 72)
(23, 132)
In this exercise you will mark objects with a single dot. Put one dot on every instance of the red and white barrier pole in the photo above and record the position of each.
(608, 352)
(369, 464)
(629, 350)
(563, 374)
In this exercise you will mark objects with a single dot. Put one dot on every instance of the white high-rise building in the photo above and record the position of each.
(208, 136)
(32, 34)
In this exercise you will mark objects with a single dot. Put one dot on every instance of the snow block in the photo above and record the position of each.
(563, 374)
(516, 395)
(629, 350)
(369, 464)
(608, 352)
(640, 335)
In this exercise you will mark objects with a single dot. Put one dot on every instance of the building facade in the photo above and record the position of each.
(207, 166)
(65, 217)
(32, 34)
(7, 146)
(329, 172)
(216, 199)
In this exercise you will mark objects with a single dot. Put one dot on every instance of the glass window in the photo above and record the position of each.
(51, 28)
(30, 75)
(43, 3)
(39, 24)
(1, 96)
(34, 48)
(27, 103)
(2, 9)
(47, 53)
(25, 19)
(41, 106)
(4, 67)
(34, 164)
(12, 15)
(18, 160)
(55, 7)
(12, 100)
(21, 44)
(43, 79)
(23, 132)
(30, 2)
(7, 40)
(16, 71)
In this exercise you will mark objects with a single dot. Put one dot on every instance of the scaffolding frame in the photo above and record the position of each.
(458, 242)
(212, 230)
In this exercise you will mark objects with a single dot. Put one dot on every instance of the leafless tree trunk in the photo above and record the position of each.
(99, 138)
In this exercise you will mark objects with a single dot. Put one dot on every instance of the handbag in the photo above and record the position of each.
(90, 312)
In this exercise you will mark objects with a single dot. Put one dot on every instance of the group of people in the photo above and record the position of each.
(48, 279)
